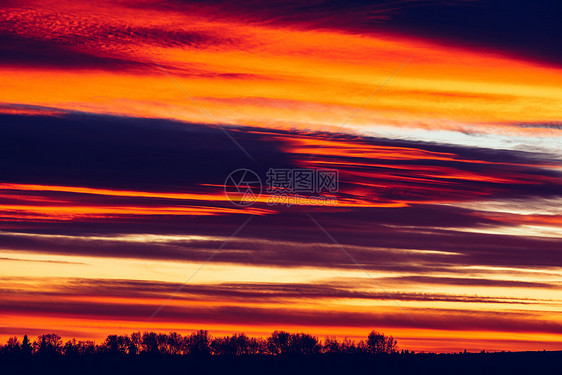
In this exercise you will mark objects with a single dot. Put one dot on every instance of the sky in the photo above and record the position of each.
(120, 122)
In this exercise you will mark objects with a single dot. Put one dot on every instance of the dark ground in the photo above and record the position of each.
(479, 364)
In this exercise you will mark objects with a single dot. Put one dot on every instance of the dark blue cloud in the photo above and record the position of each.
(118, 152)
(529, 29)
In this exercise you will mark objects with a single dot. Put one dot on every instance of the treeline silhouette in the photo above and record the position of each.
(200, 343)
(279, 354)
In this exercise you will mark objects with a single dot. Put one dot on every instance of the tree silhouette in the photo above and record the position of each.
(200, 343)
(257, 346)
(86, 347)
(136, 343)
(49, 344)
(150, 343)
(237, 344)
(379, 343)
(278, 342)
(175, 343)
(12, 346)
(115, 344)
(70, 348)
(26, 346)
(280, 353)
(302, 343)
(331, 345)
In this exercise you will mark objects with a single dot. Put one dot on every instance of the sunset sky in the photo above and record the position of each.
(121, 120)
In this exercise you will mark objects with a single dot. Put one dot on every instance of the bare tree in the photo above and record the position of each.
(379, 343)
